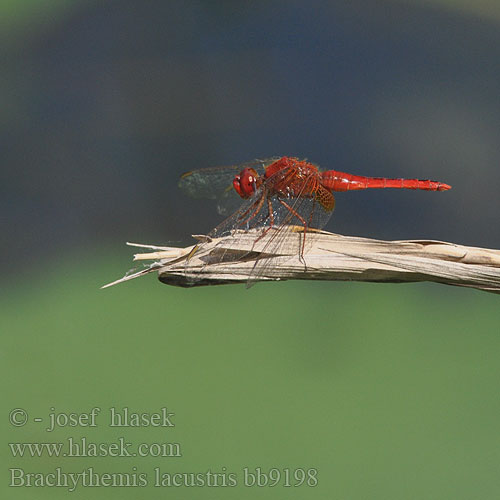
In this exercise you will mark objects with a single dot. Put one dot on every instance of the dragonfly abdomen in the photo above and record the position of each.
(341, 181)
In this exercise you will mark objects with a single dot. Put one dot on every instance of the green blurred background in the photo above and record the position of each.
(388, 391)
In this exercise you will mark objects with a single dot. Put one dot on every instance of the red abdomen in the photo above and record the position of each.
(340, 181)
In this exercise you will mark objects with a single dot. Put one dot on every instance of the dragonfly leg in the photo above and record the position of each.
(271, 220)
(304, 223)
(254, 209)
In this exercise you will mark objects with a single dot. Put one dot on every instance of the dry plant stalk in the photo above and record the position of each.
(327, 256)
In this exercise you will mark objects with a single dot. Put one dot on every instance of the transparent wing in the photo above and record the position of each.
(217, 183)
(208, 182)
(298, 211)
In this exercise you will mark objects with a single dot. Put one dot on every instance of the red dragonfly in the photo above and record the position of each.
(278, 192)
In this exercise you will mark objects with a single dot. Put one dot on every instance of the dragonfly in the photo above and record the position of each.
(279, 192)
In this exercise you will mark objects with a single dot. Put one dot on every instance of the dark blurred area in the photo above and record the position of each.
(105, 104)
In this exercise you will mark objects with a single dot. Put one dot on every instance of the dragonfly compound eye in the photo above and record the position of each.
(246, 183)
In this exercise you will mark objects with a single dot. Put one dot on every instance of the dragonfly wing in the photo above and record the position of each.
(302, 209)
(248, 215)
(209, 183)
(217, 184)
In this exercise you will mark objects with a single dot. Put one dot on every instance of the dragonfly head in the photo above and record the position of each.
(247, 182)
